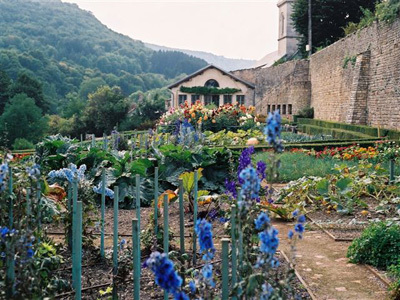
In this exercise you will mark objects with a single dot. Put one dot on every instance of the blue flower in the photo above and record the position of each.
(4, 232)
(192, 286)
(295, 213)
(230, 187)
(261, 167)
(108, 192)
(122, 244)
(267, 291)
(261, 220)
(163, 269)
(204, 233)
(244, 161)
(29, 253)
(290, 234)
(269, 240)
(273, 131)
(251, 183)
(69, 173)
(181, 296)
(299, 228)
(301, 219)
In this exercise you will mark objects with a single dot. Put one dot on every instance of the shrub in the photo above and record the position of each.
(307, 112)
(379, 246)
(22, 144)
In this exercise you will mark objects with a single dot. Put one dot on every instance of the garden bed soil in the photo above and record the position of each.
(97, 272)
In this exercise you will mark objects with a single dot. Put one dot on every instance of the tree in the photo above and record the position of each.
(105, 109)
(22, 118)
(329, 17)
(28, 85)
(5, 83)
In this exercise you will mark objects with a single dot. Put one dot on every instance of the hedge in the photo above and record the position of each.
(363, 129)
(334, 132)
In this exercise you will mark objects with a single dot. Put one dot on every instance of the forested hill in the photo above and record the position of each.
(69, 50)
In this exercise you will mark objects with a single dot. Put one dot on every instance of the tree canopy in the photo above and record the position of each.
(329, 17)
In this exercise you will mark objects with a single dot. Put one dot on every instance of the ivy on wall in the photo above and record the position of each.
(203, 90)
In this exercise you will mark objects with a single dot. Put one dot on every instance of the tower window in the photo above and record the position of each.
(212, 83)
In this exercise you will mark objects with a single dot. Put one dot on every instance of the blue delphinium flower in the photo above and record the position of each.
(261, 220)
(261, 167)
(251, 184)
(230, 187)
(267, 291)
(244, 161)
(273, 130)
(166, 276)
(33, 172)
(181, 296)
(204, 233)
(299, 227)
(192, 286)
(122, 244)
(108, 192)
(69, 173)
(3, 176)
(269, 240)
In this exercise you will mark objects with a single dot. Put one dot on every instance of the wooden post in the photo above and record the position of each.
(136, 259)
(103, 208)
(195, 216)
(225, 269)
(156, 201)
(234, 250)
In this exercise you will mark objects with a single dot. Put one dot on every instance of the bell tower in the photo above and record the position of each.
(287, 36)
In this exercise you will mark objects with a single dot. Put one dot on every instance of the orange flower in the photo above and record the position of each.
(205, 118)
(193, 115)
(214, 121)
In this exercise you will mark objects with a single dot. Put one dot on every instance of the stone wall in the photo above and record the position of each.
(279, 86)
(357, 79)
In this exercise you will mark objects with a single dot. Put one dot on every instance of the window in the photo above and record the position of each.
(211, 99)
(273, 108)
(212, 83)
(227, 99)
(182, 99)
(195, 98)
(269, 108)
(279, 108)
(290, 109)
(284, 109)
(240, 99)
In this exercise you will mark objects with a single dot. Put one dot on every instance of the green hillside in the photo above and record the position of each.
(68, 50)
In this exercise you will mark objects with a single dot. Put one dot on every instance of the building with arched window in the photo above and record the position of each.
(212, 85)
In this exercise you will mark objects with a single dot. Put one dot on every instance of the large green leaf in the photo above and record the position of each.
(344, 184)
(188, 179)
(323, 187)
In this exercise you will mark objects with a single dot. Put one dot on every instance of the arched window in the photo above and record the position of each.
(212, 83)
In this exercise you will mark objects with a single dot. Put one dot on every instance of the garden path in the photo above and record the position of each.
(323, 265)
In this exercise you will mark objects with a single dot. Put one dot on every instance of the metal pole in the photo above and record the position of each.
(391, 170)
(138, 209)
(181, 218)
(234, 250)
(136, 259)
(115, 236)
(11, 200)
(166, 237)
(156, 201)
(103, 208)
(195, 216)
(74, 230)
(78, 253)
(225, 269)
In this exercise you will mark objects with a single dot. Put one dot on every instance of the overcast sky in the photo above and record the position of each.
(236, 29)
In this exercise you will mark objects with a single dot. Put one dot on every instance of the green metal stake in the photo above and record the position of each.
(93, 141)
(11, 200)
(103, 209)
(240, 233)
(391, 170)
(166, 238)
(69, 205)
(136, 259)
(140, 141)
(181, 218)
(81, 141)
(138, 208)
(115, 236)
(74, 229)
(234, 250)
(39, 202)
(166, 231)
(78, 252)
(225, 269)
(28, 206)
(156, 201)
(195, 216)
(10, 273)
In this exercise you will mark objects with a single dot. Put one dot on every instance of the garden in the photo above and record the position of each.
(213, 203)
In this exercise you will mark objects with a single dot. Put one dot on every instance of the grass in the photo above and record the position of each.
(296, 165)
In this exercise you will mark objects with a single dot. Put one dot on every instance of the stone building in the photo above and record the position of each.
(212, 85)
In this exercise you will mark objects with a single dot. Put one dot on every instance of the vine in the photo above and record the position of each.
(203, 90)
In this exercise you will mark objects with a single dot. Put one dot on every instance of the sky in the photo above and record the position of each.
(232, 28)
